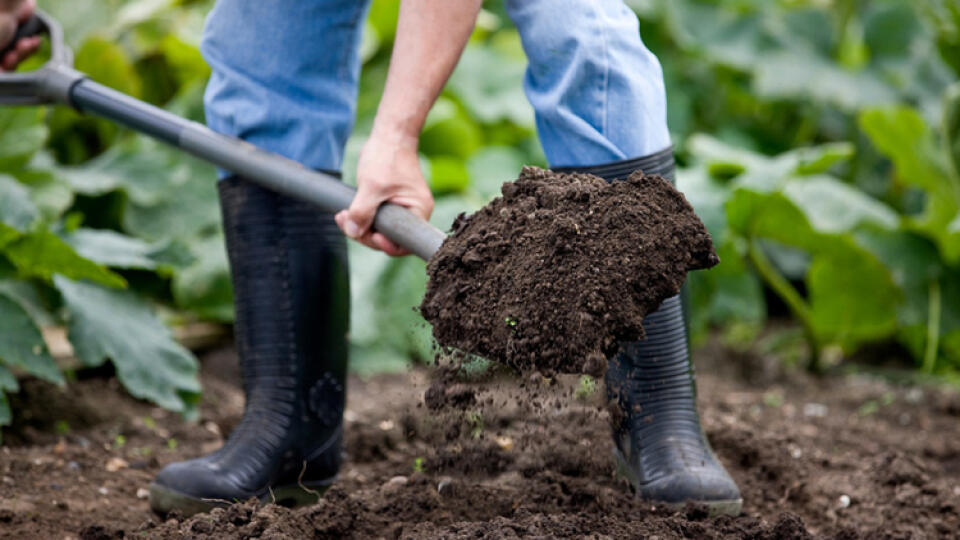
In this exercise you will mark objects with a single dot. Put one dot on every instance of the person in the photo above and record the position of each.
(284, 77)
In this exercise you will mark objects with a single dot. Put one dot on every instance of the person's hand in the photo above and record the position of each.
(388, 171)
(12, 13)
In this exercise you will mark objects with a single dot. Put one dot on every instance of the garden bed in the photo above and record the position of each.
(843, 457)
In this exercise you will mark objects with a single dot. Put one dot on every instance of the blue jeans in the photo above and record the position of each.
(285, 75)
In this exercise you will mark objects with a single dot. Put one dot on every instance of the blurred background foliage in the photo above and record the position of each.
(818, 139)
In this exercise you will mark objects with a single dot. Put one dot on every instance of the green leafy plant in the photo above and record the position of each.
(586, 387)
(50, 274)
(75, 232)
(871, 271)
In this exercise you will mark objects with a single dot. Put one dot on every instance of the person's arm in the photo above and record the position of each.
(431, 35)
(12, 13)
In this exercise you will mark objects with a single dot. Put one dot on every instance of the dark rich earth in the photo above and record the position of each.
(551, 276)
(434, 457)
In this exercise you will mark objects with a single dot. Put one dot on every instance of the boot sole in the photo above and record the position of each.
(164, 500)
(721, 507)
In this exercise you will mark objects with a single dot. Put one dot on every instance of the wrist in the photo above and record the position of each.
(396, 135)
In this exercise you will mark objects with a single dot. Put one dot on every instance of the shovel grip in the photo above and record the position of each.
(31, 27)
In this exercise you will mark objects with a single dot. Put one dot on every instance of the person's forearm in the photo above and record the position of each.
(431, 35)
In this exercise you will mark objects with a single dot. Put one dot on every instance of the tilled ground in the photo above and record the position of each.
(846, 457)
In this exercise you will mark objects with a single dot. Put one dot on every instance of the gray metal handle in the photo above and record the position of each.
(56, 82)
(51, 82)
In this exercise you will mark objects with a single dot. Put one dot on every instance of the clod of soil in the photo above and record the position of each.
(554, 274)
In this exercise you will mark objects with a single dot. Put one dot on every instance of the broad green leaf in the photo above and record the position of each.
(383, 17)
(490, 167)
(707, 196)
(184, 60)
(724, 160)
(853, 298)
(491, 97)
(42, 254)
(111, 248)
(729, 292)
(818, 159)
(7, 380)
(912, 260)
(456, 136)
(147, 173)
(107, 63)
(448, 175)
(727, 37)
(796, 74)
(204, 287)
(890, 28)
(791, 261)
(35, 299)
(384, 293)
(135, 12)
(22, 133)
(76, 27)
(902, 135)
(727, 161)
(914, 264)
(448, 207)
(366, 266)
(7, 235)
(834, 207)
(190, 210)
(16, 208)
(51, 195)
(116, 325)
(772, 216)
(22, 345)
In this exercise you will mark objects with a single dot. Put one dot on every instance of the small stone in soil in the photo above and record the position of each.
(395, 483)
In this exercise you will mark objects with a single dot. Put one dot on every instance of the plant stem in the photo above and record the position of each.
(786, 291)
(933, 327)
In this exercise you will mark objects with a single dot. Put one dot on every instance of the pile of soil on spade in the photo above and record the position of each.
(554, 274)
(430, 456)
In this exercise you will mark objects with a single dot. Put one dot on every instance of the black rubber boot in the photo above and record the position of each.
(660, 447)
(289, 268)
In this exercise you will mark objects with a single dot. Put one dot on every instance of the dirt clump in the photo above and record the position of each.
(554, 274)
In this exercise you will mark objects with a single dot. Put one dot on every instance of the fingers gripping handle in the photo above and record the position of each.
(32, 27)
(52, 82)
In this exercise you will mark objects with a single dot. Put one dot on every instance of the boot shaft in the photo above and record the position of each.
(290, 275)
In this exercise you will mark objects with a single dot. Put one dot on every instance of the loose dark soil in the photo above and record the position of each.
(433, 456)
(554, 274)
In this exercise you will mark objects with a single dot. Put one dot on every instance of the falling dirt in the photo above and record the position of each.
(554, 274)
(846, 457)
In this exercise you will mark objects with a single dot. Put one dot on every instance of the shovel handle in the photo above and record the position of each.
(31, 27)
(56, 82)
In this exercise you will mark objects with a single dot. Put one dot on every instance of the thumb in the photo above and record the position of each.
(359, 217)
